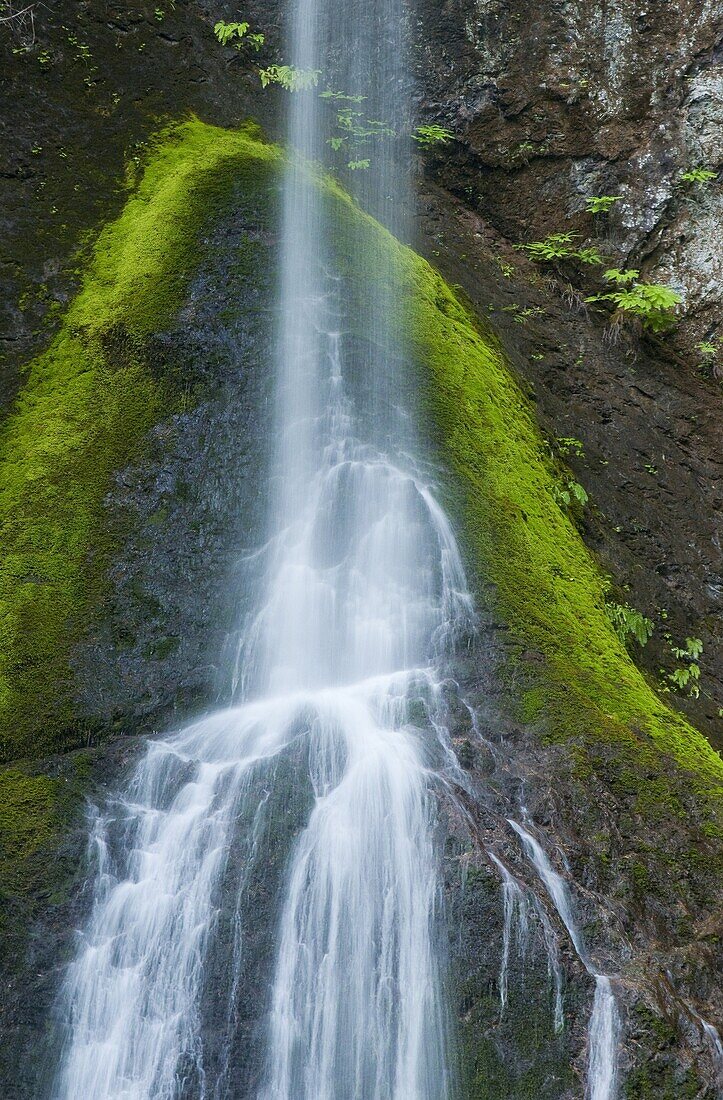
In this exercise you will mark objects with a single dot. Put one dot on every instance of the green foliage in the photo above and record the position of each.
(621, 278)
(710, 351)
(571, 492)
(685, 678)
(341, 96)
(559, 246)
(238, 35)
(589, 256)
(522, 313)
(693, 649)
(356, 134)
(290, 77)
(651, 303)
(601, 204)
(699, 176)
(431, 134)
(555, 247)
(568, 445)
(629, 623)
(359, 127)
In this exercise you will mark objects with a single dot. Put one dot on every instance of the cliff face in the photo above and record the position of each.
(132, 455)
(613, 99)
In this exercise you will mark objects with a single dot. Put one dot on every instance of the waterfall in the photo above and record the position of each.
(339, 669)
(515, 917)
(716, 1048)
(604, 1029)
(309, 802)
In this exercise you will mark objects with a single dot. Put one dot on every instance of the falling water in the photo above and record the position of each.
(515, 918)
(516, 926)
(362, 595)
(716, 1048)
(604, 1030)
(337, 676)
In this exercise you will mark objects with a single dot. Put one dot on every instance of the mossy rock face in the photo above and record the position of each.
(44, 894)
(113, 372)
(117, 507)
(509, 1049)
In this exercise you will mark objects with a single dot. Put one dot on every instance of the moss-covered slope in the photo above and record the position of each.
(525, 553)
(544, 582)
(90, 399)
(86, 406)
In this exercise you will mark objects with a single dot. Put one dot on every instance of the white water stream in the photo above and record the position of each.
(604, 1029)
(362, 595)
(339, 669)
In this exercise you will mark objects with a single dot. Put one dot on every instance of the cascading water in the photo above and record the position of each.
(362, 594)
(516, 909)
(604, 1030)
(338, 677)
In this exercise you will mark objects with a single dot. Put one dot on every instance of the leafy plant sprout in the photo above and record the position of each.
(560, 246)
(699, 177)
(289, 77)
(651, 303)
(629, 623)
(237, 34)
(571, 492)
(685, 678)
(601, 204)
(431, 134)
(568, 445)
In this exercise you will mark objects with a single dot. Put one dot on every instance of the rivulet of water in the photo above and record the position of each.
(604, 1029)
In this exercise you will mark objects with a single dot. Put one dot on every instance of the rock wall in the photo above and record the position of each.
(614, 98)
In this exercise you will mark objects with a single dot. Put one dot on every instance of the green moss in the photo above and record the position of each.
(536, 569)
(519, 1056)
(90, 399)
(527, 556)
(38, 862)
(649, 1082)
(84, 411)
(28, 823)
